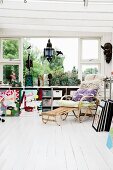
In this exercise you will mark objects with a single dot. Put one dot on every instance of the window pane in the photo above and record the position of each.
(8, 70)
(10, 49)
(64, 64)
(92, 69)
(90, 49)
(68, 46)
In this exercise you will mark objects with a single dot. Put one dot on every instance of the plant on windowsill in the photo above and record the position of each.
(16, 84)
(66, 78)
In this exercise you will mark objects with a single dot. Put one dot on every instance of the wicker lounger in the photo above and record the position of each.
(52, 115)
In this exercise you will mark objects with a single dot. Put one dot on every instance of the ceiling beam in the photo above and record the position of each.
(58, 6)
(60, 15)
(53, 15)
(58, 28)
(55, 22)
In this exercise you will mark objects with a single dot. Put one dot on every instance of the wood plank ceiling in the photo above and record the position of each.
(59, 15)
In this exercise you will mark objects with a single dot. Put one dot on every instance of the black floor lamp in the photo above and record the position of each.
(29, 64)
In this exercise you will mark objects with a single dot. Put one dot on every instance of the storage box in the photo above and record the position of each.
(72, 92)
(46, 93)
(57, 93)
(55, 102)
(46, 102)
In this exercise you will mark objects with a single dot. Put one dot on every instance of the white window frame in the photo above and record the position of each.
(18, 61)
(88, 62)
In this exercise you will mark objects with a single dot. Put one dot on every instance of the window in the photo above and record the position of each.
(68, 46)
(8, 70)
(89, 69)
(11, 59)
(90, 49)
(81, 56)
(89, 61)
(10, 49)
(64, 68)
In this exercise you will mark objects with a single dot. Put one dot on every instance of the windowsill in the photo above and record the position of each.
(7, 86)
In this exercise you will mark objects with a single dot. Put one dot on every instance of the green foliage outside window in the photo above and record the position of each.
(66, 78)
(7, 71)
(89, 71)
(10, 49)
(41, 66)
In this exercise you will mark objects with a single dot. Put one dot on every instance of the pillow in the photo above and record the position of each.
(84, 92)
(95, 84)
(78, 94)
(90, 92)
(68, 103)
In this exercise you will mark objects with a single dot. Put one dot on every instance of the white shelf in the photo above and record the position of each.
(56, 93)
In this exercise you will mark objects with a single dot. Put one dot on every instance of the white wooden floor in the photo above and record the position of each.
(28, 144)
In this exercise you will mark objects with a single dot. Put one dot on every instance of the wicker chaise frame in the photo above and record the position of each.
(64, 110)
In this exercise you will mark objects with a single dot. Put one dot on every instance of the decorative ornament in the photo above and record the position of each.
(107, 52)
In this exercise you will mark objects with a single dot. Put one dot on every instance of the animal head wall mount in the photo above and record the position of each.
(107, 52)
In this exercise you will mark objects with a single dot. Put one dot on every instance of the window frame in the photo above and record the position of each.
(82, 62)
(18, 61)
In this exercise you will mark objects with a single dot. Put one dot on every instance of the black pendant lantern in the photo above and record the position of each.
(49, 51)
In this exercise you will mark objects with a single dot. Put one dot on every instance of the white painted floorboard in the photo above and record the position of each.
(28, 144)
